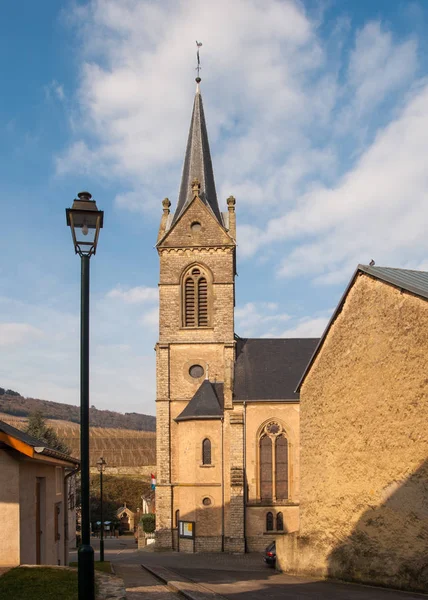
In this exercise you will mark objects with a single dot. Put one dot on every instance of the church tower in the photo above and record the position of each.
(199, 436)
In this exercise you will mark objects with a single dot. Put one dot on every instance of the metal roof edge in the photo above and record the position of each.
(381, 275)
(253, 400)
(199, 418)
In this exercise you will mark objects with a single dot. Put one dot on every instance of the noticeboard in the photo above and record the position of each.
(186, 529)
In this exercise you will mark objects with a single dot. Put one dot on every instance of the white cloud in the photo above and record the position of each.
(377, 66)
(377, 210)
(134, 104)
(257, 317)
(122, 359)
(306, 327)
(278, 106)
(55, 90)
(150, 319)
(135, 295)
(18, 333)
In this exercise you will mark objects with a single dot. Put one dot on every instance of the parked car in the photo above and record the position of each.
(270, 555)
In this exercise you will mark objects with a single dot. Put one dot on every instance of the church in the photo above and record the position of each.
(227, 408)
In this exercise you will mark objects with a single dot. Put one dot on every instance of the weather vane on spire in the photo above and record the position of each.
(198, 68)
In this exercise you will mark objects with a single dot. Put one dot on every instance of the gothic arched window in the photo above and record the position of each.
(273, 463)
(279, 522)
(206, 452)
(266, 468)
(269, 521)
(196, 301)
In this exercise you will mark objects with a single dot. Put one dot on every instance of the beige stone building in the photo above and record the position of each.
(37, 518)
(227, 412)
(364, 437)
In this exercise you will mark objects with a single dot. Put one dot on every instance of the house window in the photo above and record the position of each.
(279, 522)
(57, 521)
(269, 521)
(206, 452)
(273, 463)
(196, 292)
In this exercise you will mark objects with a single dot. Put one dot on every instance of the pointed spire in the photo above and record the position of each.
(197, 163)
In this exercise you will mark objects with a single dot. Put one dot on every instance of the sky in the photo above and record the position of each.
(317, 115)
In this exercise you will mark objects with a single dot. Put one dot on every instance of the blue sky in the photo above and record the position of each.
(317, 114)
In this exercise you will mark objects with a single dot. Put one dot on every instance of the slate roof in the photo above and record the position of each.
(38, 445)
(197, 164)
(207, 403)
(270, 369)
(415, 282)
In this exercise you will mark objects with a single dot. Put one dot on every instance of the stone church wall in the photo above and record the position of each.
(364, 445)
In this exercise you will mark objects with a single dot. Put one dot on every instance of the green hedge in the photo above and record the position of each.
(149, 522)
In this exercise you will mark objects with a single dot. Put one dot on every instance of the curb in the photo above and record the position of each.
(186, 587)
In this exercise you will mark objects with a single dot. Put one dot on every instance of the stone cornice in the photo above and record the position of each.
(183, 250)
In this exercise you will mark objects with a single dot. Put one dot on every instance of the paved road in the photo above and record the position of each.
(114, 548)
(235, 577)
(247, 578)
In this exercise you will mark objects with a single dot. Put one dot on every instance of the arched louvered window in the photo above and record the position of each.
(273, 463)
(206, 452)
(279, 522)
(269, 521)
(266, 491)
(189, 302)
(196, 300)
(202, 302)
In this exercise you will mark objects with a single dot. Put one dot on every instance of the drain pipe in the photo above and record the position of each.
(245, 477)
(222, 484)
(65, 507)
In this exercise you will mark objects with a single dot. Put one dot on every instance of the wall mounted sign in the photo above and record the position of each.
(186, 529)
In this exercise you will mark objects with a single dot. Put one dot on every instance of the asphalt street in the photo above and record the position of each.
(234, 577)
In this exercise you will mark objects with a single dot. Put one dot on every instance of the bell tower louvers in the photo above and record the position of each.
(195, 356)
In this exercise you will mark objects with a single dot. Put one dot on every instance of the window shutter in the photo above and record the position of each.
(281, 467)
(189, 303)
(202, 302)
(266, 468)
(206, 452)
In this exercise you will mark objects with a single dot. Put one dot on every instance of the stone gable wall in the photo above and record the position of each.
(364, 444)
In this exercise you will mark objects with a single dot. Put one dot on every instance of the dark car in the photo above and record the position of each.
(270, 555)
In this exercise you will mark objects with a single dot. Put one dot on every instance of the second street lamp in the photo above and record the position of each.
(101, 465)
(85, 221)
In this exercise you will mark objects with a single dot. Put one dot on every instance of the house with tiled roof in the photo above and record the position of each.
(37, 517)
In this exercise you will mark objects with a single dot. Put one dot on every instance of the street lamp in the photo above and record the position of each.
(85, 221)
(101, 464)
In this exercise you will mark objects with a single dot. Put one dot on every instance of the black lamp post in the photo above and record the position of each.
(101, 464)
(85, 221)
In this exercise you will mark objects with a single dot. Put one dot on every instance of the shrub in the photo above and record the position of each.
(149, 522)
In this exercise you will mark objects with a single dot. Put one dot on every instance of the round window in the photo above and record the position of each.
(196, 226)
(206, 501)
(196, 371)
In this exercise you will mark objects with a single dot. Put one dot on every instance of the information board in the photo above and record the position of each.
(186, 529)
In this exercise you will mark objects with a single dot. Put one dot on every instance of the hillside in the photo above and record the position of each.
(128, 451)
(12, 403)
